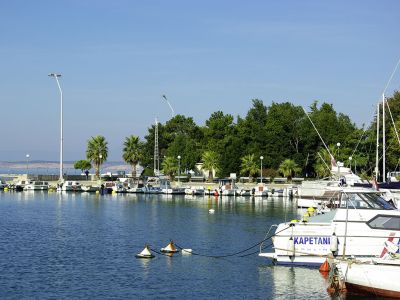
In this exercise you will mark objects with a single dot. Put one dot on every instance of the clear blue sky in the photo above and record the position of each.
(118, 57)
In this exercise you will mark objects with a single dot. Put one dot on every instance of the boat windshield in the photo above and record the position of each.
(364, 201)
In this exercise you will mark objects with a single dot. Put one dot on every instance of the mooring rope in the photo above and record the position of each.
(235, 253)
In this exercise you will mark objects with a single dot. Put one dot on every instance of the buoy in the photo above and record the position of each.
(310, 210)
(334, 244)
(187, 251)
(97, 192)
(216, 193)
(293, 221)
(145, 253)
(211, 211)
(324, 268)
(170, 248)
(6, 189)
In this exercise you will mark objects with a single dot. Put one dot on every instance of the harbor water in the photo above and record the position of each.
(79, 246)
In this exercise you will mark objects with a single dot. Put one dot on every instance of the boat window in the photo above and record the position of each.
(364, 201)
(385, 222)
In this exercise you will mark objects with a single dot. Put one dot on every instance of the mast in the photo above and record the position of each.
(383, 140)
(156, 154)
(377, 144)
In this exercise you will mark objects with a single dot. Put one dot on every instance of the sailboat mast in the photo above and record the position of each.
(383, 140)
(377, 144)
(156, 154)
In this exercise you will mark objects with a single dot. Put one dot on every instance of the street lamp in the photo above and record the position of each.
(179, 167)
(56, 76)
(350, 159)
(338, 162)
(261, 158)
(27, 164)
(169, 104)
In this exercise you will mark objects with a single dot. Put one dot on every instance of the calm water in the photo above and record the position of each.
(63, 246)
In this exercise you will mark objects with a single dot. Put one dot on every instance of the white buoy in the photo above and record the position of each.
(145, 253)
(211, 211)
(187, 251)
(170, 248)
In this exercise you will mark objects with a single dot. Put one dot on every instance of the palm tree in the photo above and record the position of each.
(132, 152)
(169, 166)
(288, 168)
(210, 162)
(97, 151)
(323, 162)
(249, 166)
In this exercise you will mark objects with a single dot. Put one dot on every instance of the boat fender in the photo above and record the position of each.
(290, 247)
(334, 244)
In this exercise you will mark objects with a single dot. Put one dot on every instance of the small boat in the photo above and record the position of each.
(71, 186)
(37, 186)
(3, 184)
(228, 187)
(90, 188)
(195, 190)
(166, 188)
(374, 276)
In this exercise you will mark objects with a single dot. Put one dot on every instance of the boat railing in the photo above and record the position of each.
(266, 236)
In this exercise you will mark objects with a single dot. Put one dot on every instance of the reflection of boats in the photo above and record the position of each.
(71, 186)
(37, 186)
(370, 221)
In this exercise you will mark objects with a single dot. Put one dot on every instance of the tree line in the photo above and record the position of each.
(280, 133)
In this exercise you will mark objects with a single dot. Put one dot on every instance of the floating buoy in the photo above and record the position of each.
(187, 251)
(145, 253)
(6, 189)
(324, 268)
(293, 221)
(170, 248)
(211, 210)
(97, 192)
(310, 210)
(216, 193)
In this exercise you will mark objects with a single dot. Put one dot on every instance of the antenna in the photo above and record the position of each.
(169, 104)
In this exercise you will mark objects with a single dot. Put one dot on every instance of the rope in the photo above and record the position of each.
(238, 252)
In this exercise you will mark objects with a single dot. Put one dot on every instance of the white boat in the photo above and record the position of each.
(370, 221)
(227, 187)
(166, 188)
(3, 184)
(37, 186)
(71, 186)
(195, 190)
(90, 188)
(374, 276)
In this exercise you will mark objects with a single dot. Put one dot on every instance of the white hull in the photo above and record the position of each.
(371, 277)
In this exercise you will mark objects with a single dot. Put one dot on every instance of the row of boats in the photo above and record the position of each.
(160, 186)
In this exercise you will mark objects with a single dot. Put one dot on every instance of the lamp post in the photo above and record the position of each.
(338, 162)
(56, 76)
(350, 159)
(27, 164)
(179, 168)
(169, 104)
(261, 158)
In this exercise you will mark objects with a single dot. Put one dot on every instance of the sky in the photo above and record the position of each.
(117, 59)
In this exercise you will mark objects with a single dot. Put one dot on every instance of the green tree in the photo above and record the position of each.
(82, 165)
(169, 166)
(97, 152)
(210, 163)
(249, 166)
(289, 168)
(132, 152)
